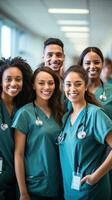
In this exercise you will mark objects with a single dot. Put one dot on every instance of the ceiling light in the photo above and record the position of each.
(74, 28)
(77, 35)
(72, 22)
(68, 11)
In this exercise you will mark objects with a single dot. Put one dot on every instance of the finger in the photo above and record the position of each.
(83, 180)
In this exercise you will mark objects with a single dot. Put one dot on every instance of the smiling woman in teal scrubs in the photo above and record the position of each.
(92, 60)
(86, 133)
(37, 127)
(15, 91)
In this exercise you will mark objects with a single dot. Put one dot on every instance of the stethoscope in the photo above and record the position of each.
(80, 134)
(3, 125)
(38, 121)
(103, 96)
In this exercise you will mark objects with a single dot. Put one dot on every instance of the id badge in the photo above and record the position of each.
(1, 164)
(75, 185)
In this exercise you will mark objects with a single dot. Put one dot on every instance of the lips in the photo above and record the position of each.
(13, 90)
(47, 93)
(72, 95)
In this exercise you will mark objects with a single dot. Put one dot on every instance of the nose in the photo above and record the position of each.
(54, 57)
(92, 65)
(46, 86)
(73, 87)
(13, 82)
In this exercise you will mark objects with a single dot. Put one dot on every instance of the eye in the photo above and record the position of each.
(18, 79)
(8, 79)
(97, 62)
(67, 84)
(78, 84)
(41, 83)
(59, 55)
(51, 83)
(49, 54)
(87, 63)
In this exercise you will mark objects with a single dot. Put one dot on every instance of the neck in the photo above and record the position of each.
(41, 103)
(76, 110)
(77, 107)
(7, 99)
(94, 84)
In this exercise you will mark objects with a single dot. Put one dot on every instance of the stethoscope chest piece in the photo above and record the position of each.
(4, 126)
(103, 97)
(81, 134)
(38, 122)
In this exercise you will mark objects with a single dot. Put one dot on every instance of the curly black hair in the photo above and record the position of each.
(25, 95)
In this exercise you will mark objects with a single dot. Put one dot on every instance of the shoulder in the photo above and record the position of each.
(93, 109)
(26, 108)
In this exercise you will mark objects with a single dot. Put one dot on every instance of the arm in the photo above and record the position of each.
(20, 139)
(104, 167)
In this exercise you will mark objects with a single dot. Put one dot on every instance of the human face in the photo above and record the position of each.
(74, 87)
(12, 82)
(44, 86)
(93, 64)
(54, 57)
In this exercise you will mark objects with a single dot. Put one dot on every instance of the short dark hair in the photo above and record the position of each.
(53, 41)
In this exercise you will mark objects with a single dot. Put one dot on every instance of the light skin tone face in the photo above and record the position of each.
(92, 63)
(12, 82)
(54, 57)
(44, 86)
(74, 88)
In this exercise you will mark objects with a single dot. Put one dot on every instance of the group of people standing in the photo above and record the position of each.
(49, 151)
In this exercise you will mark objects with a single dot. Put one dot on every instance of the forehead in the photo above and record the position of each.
(73, 76)
(12, 71)
(92, 56)
(44, 76)
(53, 48)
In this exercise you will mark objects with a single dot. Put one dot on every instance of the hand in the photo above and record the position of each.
(25, 196)
(90, 179)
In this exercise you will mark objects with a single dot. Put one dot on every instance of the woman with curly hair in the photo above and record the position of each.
(15, 91)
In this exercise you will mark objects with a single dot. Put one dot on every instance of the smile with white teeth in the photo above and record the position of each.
(47, 93)
(73, 94)
(13, 90)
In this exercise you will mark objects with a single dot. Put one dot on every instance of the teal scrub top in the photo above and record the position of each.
(42, 166)
(85, 154)
(107, 104)
(7, 175)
